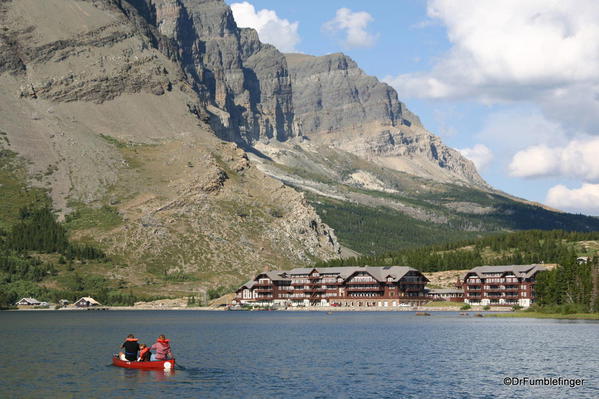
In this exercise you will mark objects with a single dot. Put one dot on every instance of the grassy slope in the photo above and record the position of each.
(372, 230)
(375, 230)
(14, 192)
(398, 210)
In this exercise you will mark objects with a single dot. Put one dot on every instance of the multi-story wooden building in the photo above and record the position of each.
(336, 286)
(500, 285)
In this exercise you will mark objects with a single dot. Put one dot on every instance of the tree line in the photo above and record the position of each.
(571, 287)
(522, 247)
(38, 231)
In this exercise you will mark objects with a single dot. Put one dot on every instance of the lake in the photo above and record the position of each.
(67, 354)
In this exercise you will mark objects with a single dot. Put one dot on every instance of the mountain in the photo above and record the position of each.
(99, 107)
(195, 155)
(337, 105)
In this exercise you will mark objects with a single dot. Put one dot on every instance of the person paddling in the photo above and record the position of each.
(162, 348)
(131, 348)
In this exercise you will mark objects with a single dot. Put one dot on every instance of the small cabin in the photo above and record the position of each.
(64, 302)
(28, 302)
(86, 302)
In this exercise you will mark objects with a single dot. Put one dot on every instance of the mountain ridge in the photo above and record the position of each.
(206, 154)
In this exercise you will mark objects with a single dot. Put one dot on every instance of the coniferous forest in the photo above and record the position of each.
(522, 247)
(25, 250)
(572, 287)
(569, 287)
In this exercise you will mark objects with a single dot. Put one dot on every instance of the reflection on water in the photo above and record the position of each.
(299, 355)
(146, 375)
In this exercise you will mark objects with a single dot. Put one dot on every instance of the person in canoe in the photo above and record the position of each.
(144, 353)
(162, 348)
(130, 348)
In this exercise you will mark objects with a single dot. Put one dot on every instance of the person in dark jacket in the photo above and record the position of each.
(130, 348)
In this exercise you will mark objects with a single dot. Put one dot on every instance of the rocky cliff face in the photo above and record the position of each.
(96, 96)
(255, 94)
(332, 93)
(338, 105)
(242, 82)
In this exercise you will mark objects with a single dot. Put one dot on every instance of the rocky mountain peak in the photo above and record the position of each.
(253, 93)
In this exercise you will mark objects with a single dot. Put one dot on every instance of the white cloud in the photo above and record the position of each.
(584, 199)
(271, 29)
(535, 161)
(578, 159)
(480, 154)
(509, 49)
(354, 25)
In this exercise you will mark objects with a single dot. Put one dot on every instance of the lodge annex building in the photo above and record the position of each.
(501, 285)
(387, 286)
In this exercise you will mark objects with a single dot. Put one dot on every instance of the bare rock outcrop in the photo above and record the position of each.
(243, 82)
(335, 103)
(252, 93)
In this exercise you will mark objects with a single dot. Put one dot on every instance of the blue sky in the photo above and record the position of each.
(514, 85)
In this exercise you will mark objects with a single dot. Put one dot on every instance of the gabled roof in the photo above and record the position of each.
(522, 271)
(274, 275)
(303, 270)
(29, 301)
(379, 273)
(89, 299)
(248, 285)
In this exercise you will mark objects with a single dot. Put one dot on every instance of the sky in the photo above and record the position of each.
(512, 84)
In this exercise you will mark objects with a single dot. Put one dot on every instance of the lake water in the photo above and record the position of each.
(296, 355)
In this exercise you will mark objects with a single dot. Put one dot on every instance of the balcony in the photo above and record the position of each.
(259, 290)
(263, 285)
(365, 289)
(410, 289)
(314, 289)
(363, 282)
(502, 290)
(299, 286)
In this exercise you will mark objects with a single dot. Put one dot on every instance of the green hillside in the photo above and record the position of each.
(37, 257)
(379, 229)
(523, 247)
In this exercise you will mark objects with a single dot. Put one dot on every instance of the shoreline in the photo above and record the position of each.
(290, 309)
(429, 310)
(557, 316)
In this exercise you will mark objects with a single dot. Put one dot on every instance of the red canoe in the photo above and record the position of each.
(155, 365)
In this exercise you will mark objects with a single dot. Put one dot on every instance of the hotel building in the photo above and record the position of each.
(500, 285)
(387, 286)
